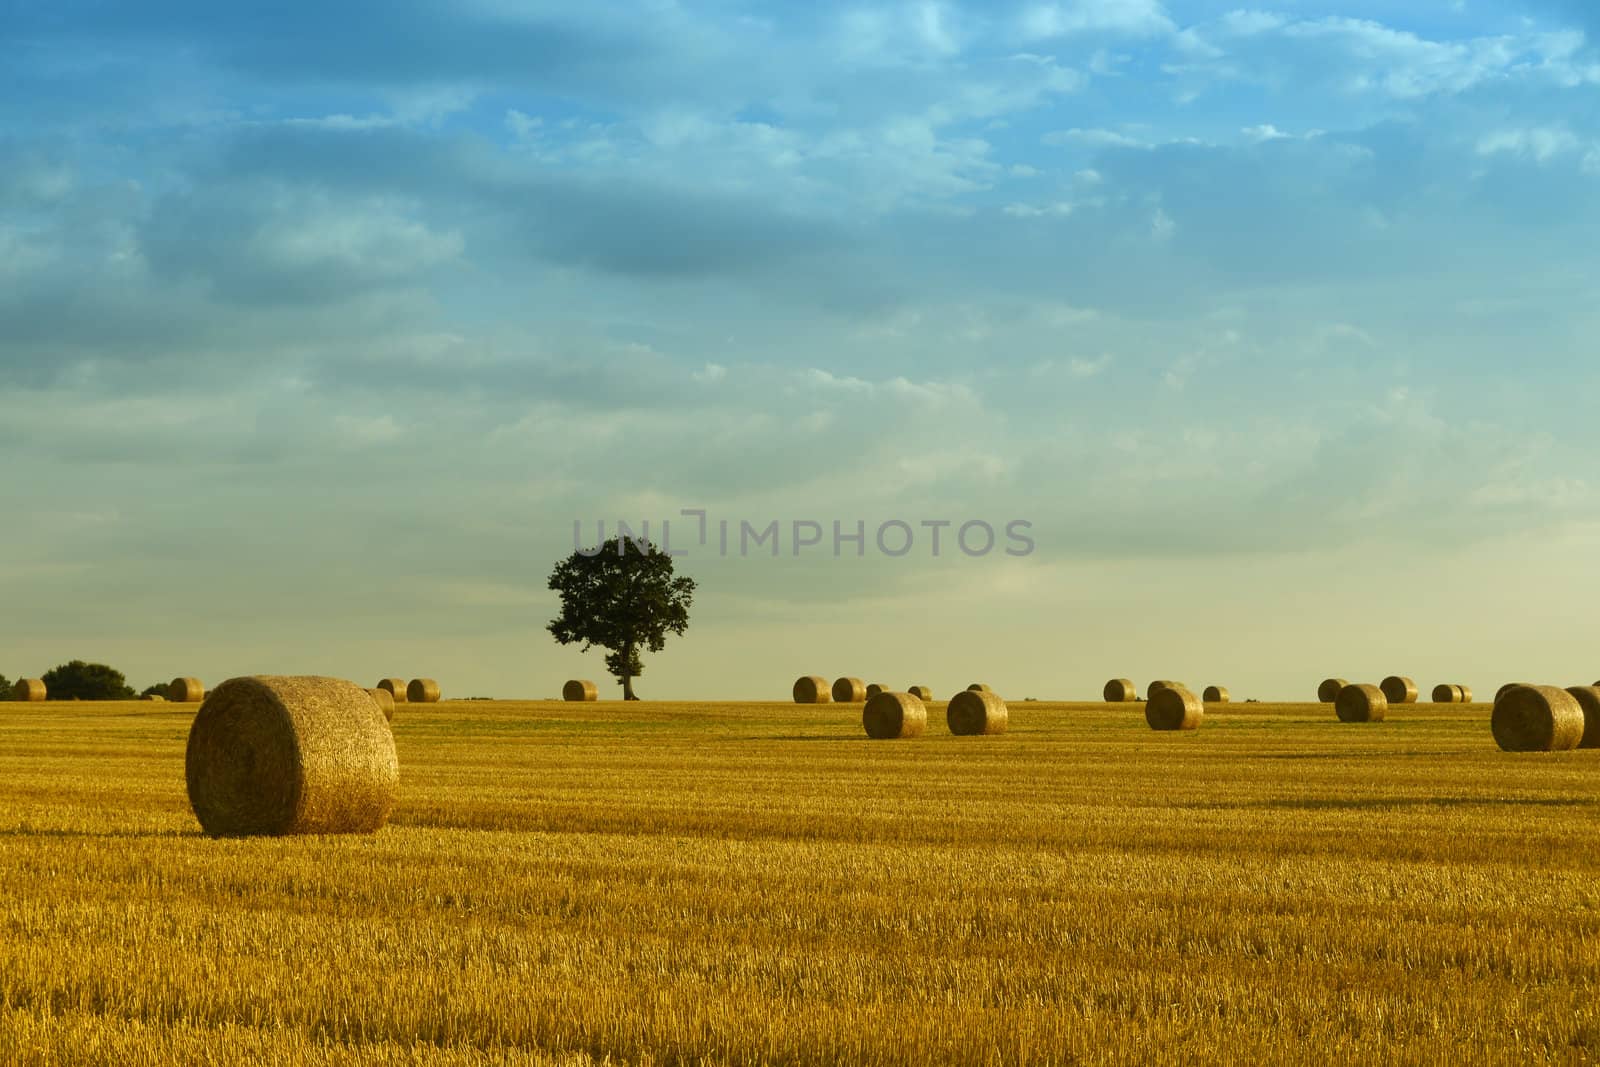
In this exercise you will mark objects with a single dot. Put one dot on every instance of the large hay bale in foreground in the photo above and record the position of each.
(422, 691)
(1537, 718)
(1398, 690)
(290, 755)
(891, 715)
(395, 687)
(875, 688)
(1445, 693)
(30, 690)
(186, 691)
(849, 691)
(921, 692)
(1120, 691)
(1361, 703)
(579, 689)
(385, 701)
(1174, 708)
(812, 689)
(973, 712)
(1328, 691)
(1216, 694)
(1588, 698)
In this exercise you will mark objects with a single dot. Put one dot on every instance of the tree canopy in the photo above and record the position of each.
(86, 681)
(624, 597)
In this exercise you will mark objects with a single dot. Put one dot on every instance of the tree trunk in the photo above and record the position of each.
(627, 679)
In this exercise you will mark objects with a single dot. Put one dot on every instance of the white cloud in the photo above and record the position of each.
(1539, 143)
(1138, 18)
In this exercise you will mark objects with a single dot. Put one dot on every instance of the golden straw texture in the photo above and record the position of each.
(580, 689)
(290, 755)
(1537, 718)
(1174, 708)
(1361, 703)
(973, 712)
(849, 691)
(812, 689)
(893, 715)
(422, 691)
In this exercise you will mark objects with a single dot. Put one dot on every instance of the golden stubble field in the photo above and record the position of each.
(749, 883)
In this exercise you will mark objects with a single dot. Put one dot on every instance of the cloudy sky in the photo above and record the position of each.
(319, 329)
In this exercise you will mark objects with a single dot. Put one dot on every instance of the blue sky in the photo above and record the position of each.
(319, 329)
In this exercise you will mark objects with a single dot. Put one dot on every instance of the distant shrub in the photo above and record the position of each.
(78, 680)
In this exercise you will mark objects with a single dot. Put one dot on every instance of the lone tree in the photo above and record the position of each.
(86, 681)
(623, 597)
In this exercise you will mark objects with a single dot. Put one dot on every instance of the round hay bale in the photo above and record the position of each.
(889, 715)
(1504, 689)
(422, 691)
(1328, 691)
(395, 687)
(875, 688)
(154, 698)
(186, 691)
(849, 691)
(1444, 693)
(277, 755)
(812, 689)
(1120, 691)
(979, 687)
(1537, 718)
(30, 690)
(1463, 694)
(1398, 690)
(385, 701)
(921, 692)
(1164, 683)
(1216, 694)
(1361, 703)
(579, 689)
(1588, 698)
(973, 712)
(1174, 707)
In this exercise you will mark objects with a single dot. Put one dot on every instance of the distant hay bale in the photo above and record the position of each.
(1216, 694)
(1163, 683)
(849, 691)
(1174, 707)
(1328, 691)
(579, 689)
(979, 687)
(812, 689)
(422, 691)
(1464, 694)
(186, 691)
(1537, 718)
(1120, 691)
(1444, 693)
(154, 698)
(972, 712)
(1588, 698)
(302, 755)
(385, 701)
(890, 715)
(1398, 690)
(874, 689)
(921, 692)
(1361, 703)
(30, 691)
(395, 687)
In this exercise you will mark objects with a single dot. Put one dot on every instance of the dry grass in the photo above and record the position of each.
(578, 690)
(752, 883)
(276, 756)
